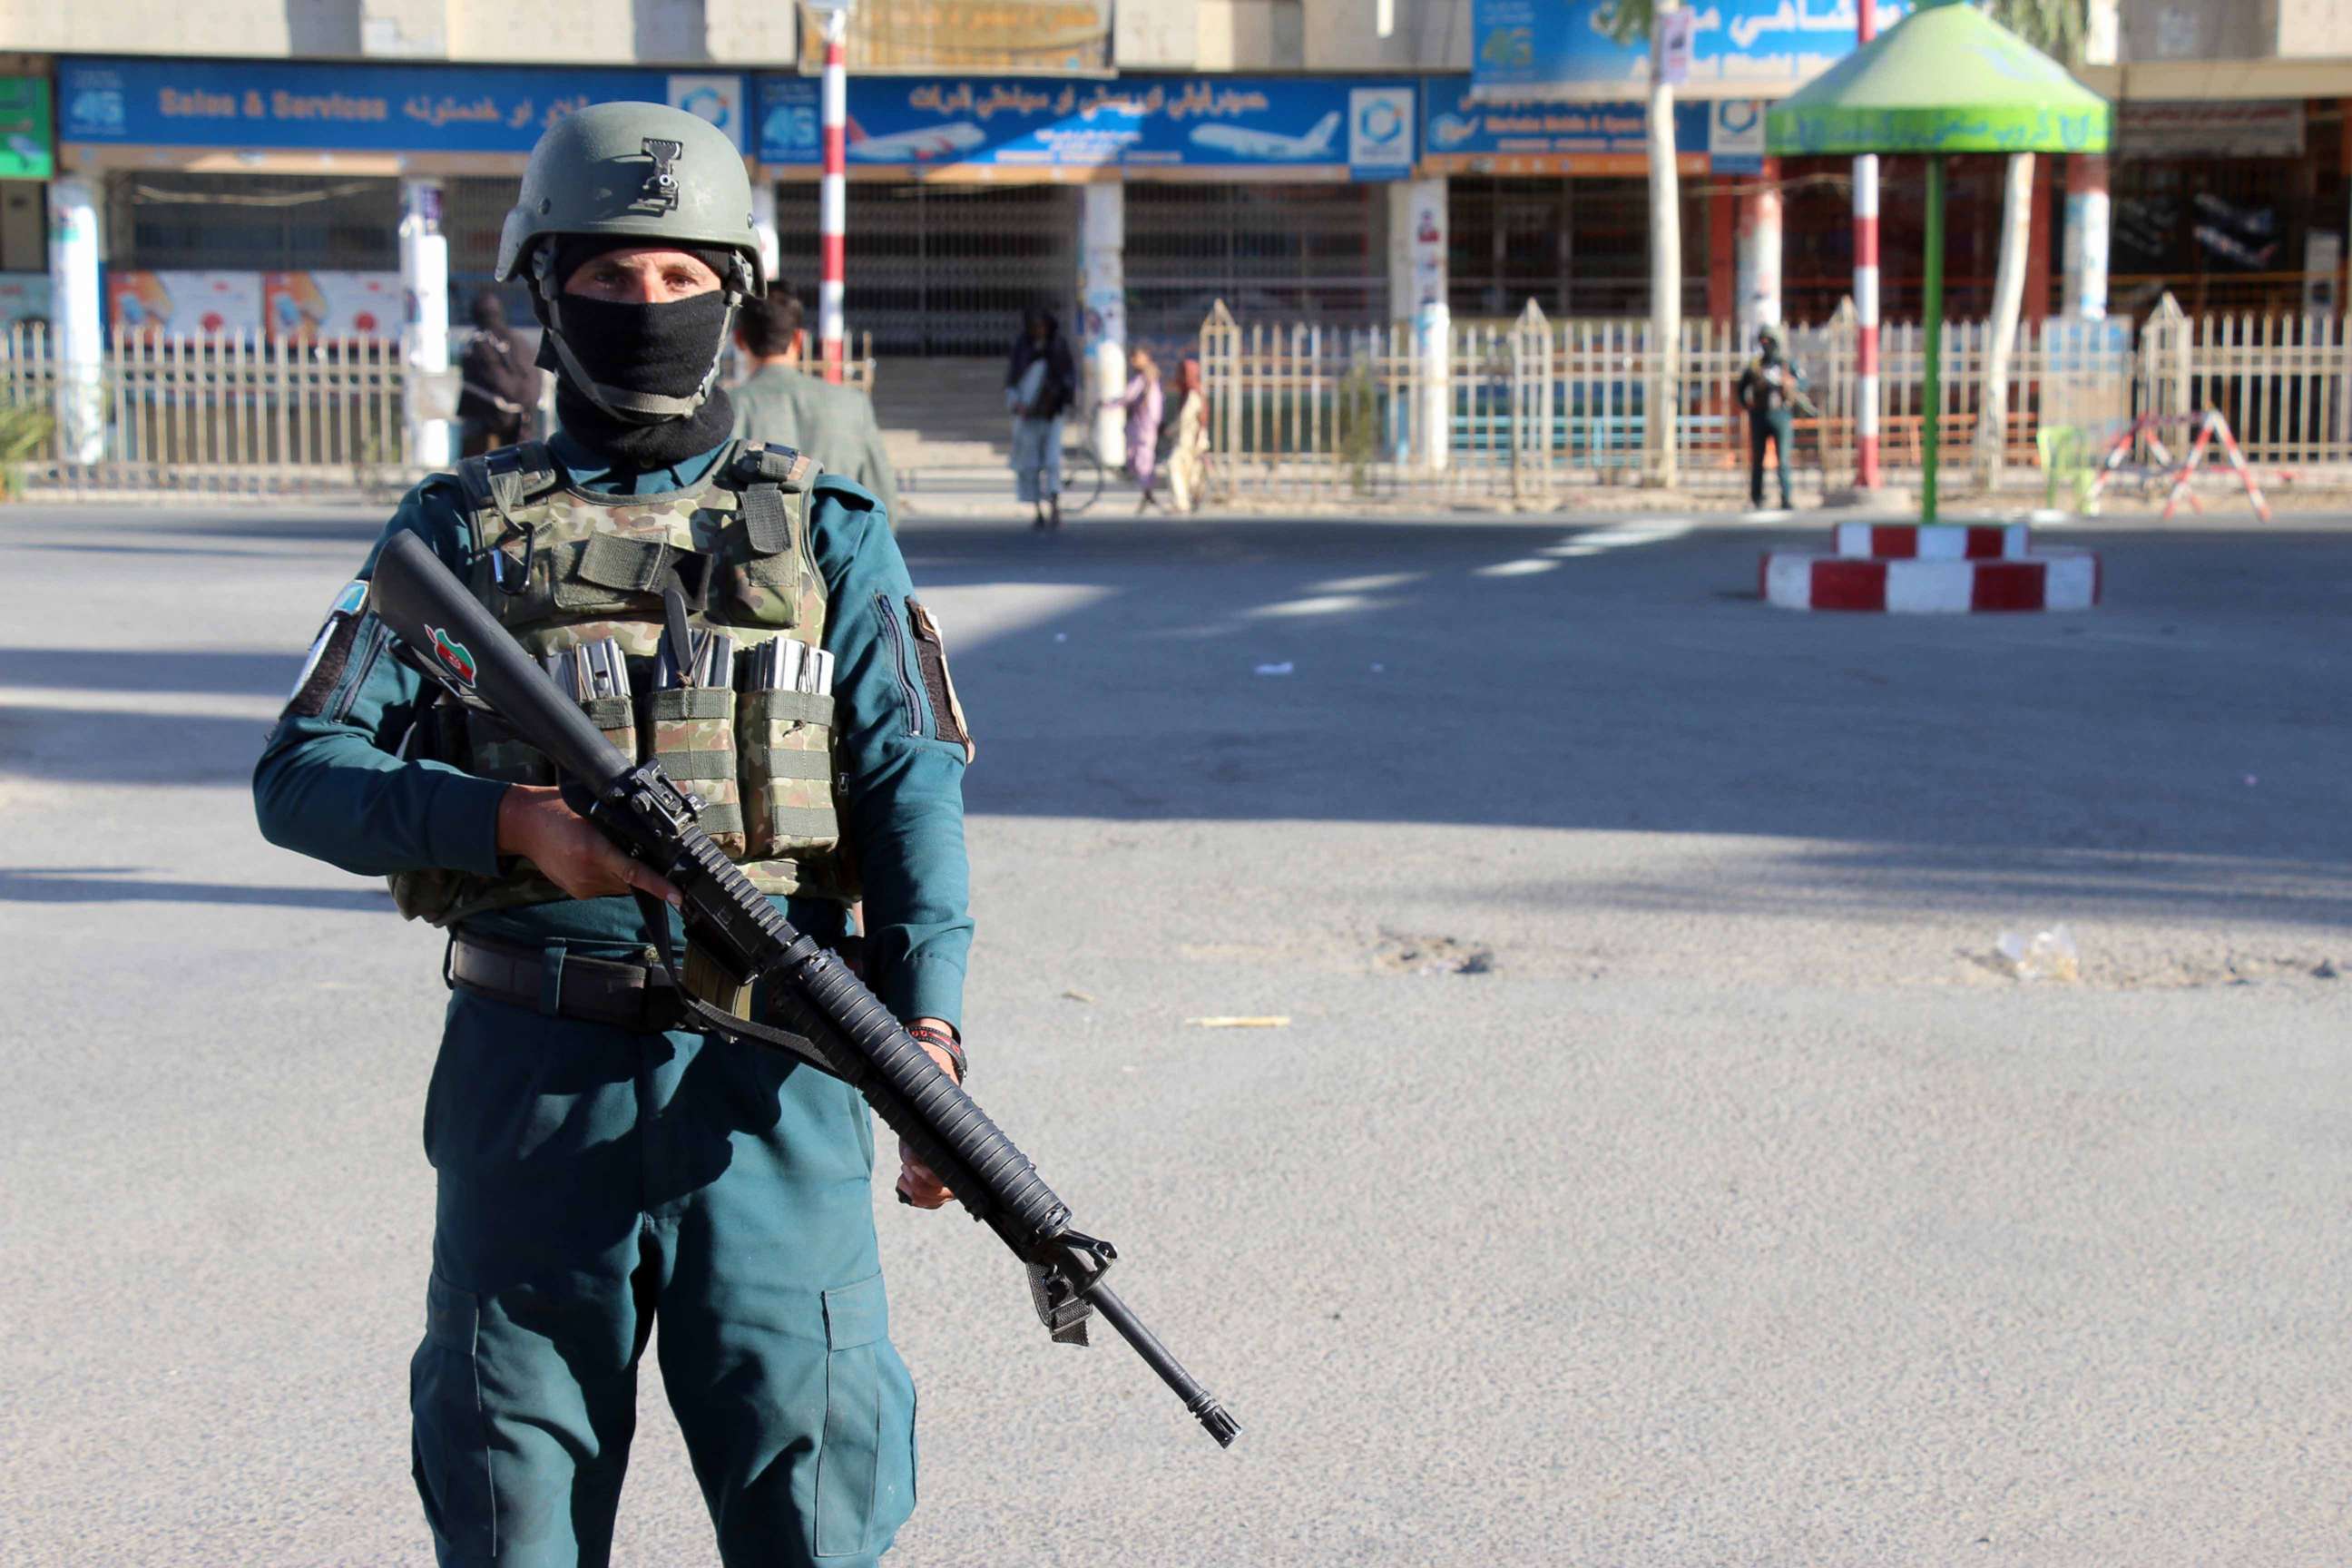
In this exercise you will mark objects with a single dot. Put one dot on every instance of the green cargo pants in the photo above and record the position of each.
(1779, 428)
(591, 1180)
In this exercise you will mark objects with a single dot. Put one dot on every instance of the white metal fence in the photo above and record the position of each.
(216, 415)
(1520, 409)
(1514, 409)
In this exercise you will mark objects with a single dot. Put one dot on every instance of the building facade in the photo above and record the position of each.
(252, 166)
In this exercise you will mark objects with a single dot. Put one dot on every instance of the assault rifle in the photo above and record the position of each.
(843, 1028)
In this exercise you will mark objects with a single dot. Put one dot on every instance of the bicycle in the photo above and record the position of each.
(1082, 478)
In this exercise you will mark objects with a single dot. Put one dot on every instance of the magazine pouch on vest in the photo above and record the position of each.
(565, 568)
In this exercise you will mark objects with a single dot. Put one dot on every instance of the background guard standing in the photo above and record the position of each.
(1769, 386)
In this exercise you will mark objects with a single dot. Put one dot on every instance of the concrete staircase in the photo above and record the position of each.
(942, 415)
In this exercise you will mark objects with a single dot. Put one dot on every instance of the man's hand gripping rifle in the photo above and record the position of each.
(843, 1028)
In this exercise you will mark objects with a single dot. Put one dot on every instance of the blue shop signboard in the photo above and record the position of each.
(981, 127)
(1563, 47)
(357, 109)
(1470, 133)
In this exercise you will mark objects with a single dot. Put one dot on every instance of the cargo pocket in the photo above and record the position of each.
(449, 1451)
(866, 1468)
(764, 591)
(694, 741)
(787, 770)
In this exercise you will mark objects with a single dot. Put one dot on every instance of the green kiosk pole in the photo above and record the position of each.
(1944, 81)
(1931, 393)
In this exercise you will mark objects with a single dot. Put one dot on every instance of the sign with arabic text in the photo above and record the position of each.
(1302, 128)
(273, 105)
(1534, 134)
(2159, 128)
(1748, 49)
(26, 151)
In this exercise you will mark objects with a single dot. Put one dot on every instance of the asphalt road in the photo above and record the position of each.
(1657, 1167)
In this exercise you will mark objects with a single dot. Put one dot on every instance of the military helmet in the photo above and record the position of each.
(644, 173)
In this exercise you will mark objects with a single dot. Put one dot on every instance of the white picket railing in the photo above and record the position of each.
(219, 413)
(1532, 404)
(1520, 409)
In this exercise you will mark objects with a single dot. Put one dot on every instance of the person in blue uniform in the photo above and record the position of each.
(599, 1171)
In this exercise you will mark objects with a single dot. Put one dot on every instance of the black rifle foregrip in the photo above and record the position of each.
(872, 1052)
(947, 1131)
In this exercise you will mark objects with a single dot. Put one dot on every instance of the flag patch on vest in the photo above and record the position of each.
(453, 655)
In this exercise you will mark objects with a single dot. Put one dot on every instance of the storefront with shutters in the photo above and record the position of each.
(269, 195)
(2229, 204)
(1549, 201)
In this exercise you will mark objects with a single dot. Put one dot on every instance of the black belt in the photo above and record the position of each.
(552, 981)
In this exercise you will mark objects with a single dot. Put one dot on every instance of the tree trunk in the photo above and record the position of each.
(2009, 294)
(1664, 393)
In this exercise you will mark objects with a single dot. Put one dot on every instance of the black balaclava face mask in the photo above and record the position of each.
(665, 350)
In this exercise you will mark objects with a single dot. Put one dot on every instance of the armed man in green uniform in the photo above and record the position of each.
(750, 623)
(1769, 386)
(782, 402)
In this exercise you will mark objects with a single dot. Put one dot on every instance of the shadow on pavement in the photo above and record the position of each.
(115, 884)
(1456, 674)
(207, 671)
(171, 750)
(76, 549)
(1509, 675)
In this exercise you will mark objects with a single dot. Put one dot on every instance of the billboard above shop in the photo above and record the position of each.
(1063, 36)
(25, 149)
(1468, 133)
(2155, 127)
(424, 109)
(1011, 128)
(1751, 48)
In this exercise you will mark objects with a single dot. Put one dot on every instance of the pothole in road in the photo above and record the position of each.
(1398, 953)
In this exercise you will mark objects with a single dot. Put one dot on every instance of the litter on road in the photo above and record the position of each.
(1273, 1022)
(2046, 955)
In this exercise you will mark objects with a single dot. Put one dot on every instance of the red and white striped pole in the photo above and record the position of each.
(833, 190)
(1865, 290)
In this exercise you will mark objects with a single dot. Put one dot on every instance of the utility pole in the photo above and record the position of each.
(1664, 395)
(1865, 288)
(833, 185)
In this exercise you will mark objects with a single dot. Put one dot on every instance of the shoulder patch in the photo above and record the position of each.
(932, 658)
(331, 650)
(848, 491)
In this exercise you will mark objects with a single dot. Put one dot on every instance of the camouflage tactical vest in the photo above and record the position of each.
(562, 567)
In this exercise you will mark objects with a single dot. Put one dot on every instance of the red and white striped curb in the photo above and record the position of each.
(2050, 580)
(1934, 541)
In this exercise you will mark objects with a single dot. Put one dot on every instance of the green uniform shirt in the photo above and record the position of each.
(834, 425)
(334, 786)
